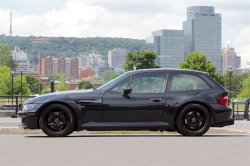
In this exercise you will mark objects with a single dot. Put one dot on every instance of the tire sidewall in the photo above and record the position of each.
(180, 123)
(69, 127)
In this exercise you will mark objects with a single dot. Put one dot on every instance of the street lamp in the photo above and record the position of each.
(21, 82)
(230, 75)
(134, 67)
(12, 72)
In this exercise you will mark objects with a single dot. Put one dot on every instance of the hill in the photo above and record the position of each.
(71, 47)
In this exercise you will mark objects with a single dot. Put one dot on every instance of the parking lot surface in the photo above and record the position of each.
(121, 150)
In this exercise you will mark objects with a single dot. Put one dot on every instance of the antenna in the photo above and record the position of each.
(11, 21)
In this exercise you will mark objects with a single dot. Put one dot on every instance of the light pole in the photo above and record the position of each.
(21, 82)
(134, 67)
(230, 88)
(12, 72)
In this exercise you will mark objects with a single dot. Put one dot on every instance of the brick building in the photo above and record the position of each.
(40, 40)
(40, 62)
(74, 68)
(86, 73)
(47, 66)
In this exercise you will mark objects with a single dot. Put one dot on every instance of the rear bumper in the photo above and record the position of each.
(223, 115)
(225, 123)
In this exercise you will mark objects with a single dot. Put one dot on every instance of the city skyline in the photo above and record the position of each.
(110, 19)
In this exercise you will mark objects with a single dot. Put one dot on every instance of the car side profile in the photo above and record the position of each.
(186, 101)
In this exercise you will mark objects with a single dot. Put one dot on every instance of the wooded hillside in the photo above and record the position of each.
(71, 47)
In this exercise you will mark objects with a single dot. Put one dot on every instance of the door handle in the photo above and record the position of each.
(156, 100)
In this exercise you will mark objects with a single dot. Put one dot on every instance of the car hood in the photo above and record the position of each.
(66, 95)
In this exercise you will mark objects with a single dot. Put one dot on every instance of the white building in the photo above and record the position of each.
(21, 59)
(116, 57)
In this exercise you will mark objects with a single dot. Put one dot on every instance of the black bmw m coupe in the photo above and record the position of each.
(186, 101)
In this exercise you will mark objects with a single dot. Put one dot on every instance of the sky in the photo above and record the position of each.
(134, 19)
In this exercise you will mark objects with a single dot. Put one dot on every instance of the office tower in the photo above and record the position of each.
(21, 59)
(169, 45)
(230, 59)
(202, 31)
(116, 57)
(74, 68)
(84, 61)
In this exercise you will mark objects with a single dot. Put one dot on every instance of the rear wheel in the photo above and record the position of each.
(193, 120)
(57, 121)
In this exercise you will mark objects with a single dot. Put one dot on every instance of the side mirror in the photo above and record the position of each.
(127, 90)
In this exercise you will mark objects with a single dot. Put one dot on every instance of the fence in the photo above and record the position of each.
(13, 103)
(240, 107)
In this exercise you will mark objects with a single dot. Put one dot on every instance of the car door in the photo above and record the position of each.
(146, 102)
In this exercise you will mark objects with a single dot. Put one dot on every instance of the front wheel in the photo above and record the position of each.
(193, 120)
(57, 121)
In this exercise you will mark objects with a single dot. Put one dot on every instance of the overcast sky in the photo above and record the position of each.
(121, 18)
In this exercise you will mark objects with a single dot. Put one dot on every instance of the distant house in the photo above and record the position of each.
(40, 40)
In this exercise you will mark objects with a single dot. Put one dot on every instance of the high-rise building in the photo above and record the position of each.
(55, 66)
(84, 61)
(74, 68)
(22, 60)
(202, 31)
(230, 59)
(67, 67)
(169, 45)
(40, 62)
(116, 57)
(47, 66)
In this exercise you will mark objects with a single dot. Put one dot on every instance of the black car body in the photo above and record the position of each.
(186, 101)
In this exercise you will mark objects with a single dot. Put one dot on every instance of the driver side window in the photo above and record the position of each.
(124, 84)
(149, 83)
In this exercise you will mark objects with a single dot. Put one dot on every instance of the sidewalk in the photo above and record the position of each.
(238, 127)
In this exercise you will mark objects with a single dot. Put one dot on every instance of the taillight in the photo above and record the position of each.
(224, 100)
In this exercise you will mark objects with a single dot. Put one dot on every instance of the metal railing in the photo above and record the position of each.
(9, 102)
(241, 107)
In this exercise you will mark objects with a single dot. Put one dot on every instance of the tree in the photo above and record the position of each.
(56, 76)
(83, 84)
(107, 75)
(3, 86)
(144, 59)
(33, 84)
(245, 88)
(198, 61)
(116, 75)
(62, 86)
(6, 59)
(5, 80)
(17, 86)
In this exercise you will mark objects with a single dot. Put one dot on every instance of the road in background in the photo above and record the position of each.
(123, 150)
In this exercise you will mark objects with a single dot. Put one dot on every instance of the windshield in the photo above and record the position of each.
(111, 83)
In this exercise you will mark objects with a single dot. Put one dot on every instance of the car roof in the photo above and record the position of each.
(167, 70)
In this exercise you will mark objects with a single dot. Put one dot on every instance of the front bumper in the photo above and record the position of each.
(29, 120)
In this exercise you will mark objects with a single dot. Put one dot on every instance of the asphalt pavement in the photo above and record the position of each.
(124, 150)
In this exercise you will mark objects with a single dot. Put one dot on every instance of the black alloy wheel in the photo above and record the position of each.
(193, 120)
(57, 121)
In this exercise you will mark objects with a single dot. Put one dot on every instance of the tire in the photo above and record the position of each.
(178, 131)
(57, 121)
(193, 120)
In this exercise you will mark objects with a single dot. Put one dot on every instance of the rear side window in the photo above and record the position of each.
(185, 82)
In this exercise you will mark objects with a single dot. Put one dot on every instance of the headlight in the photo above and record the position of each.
(28, 107)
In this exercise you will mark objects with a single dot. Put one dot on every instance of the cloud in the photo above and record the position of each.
(242, 45)
(124, 18)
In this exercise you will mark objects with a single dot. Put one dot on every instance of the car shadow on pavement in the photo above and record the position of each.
(141, 135)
